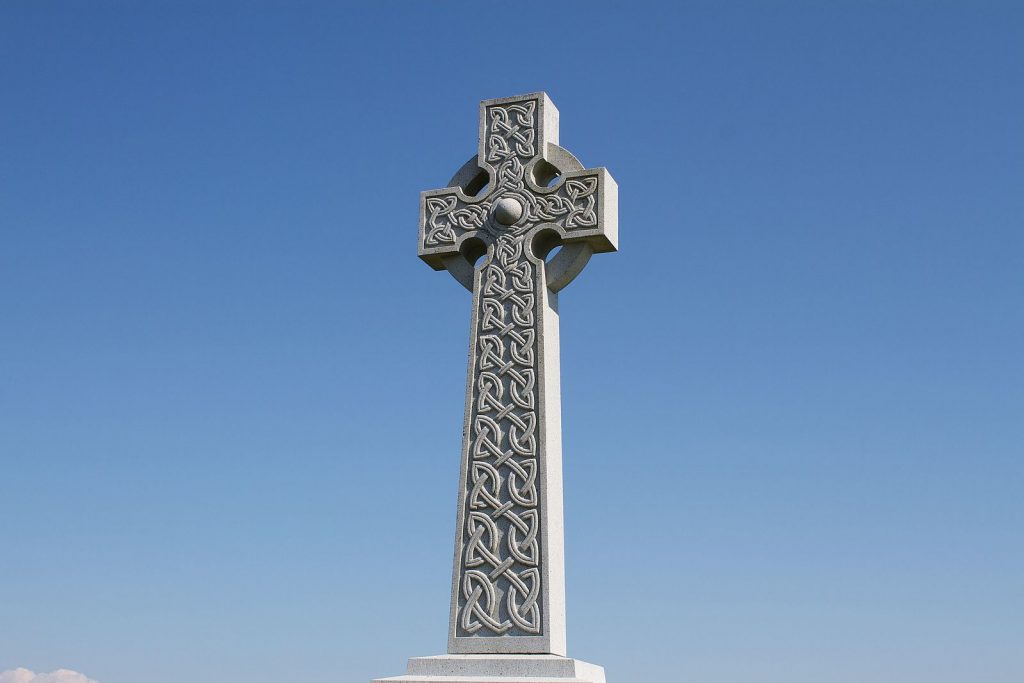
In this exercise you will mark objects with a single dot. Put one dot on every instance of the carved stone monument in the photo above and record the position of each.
(508, 207)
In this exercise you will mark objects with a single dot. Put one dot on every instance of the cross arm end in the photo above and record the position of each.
(585, 208)
(448, 218)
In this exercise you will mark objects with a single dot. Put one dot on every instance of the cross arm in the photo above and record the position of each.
(583, 207)
(448, 217)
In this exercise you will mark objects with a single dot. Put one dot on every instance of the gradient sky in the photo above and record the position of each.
(231, 395)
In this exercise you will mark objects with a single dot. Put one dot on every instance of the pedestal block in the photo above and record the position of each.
(498, 669)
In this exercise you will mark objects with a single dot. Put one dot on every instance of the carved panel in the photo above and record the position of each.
(501, 581)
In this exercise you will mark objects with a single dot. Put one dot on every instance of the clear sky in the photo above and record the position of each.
(231, 395)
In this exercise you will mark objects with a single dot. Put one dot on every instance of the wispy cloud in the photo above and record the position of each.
(58, 676)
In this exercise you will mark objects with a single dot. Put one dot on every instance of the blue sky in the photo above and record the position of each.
(231, 395)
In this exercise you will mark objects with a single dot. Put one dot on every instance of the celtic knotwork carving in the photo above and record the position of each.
(581, 193)
(525, 586)
(484, 535)
(487, 437)
(522, 485)
(522, 433)
(511, 174)
(511, 130)
(572, 205)
(476, 585)
(447, 217)
(500, 579)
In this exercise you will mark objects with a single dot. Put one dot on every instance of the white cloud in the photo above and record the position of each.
(58, 676)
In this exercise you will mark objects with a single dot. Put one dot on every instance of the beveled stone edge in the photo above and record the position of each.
(510, 665)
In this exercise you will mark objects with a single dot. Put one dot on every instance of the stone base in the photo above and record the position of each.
(498, 669)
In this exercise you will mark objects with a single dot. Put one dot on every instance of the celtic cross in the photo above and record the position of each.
(492, 228)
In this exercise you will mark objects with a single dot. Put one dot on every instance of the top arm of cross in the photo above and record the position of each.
(504, 187)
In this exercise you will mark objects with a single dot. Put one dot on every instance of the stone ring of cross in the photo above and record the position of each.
(522, 186)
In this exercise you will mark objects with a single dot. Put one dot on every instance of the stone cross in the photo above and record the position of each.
(508, 207)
